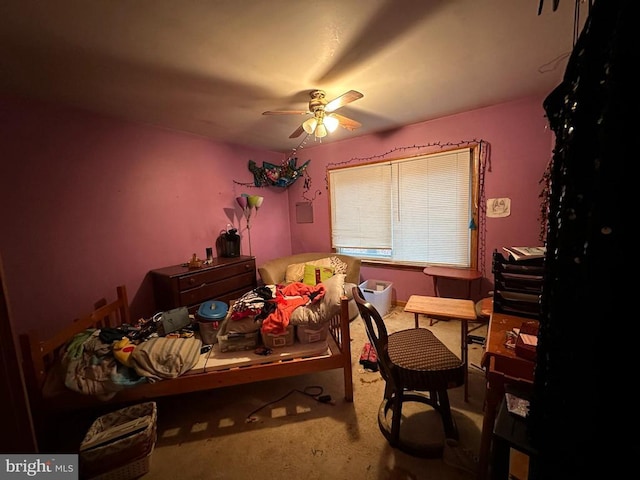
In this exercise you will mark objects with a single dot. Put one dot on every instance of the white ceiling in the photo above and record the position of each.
(212, 67)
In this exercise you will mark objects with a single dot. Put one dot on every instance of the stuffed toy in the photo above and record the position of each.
(122, 350)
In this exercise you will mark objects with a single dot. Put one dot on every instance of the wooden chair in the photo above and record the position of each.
(411, 362)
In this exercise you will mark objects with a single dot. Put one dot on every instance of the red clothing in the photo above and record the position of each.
(278, 320)
(313, 292)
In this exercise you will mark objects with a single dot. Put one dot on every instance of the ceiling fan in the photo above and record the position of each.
(323, 119)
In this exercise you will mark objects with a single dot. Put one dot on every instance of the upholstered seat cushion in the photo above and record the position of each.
(423, 361)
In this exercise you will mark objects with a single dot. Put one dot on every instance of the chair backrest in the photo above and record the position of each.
(376, 332)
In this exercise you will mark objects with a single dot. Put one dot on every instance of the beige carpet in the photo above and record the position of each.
(206, 435)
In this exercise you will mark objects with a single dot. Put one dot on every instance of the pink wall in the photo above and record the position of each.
(89, 202)
(520, 148)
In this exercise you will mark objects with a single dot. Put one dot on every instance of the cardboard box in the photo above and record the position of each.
(527, 341)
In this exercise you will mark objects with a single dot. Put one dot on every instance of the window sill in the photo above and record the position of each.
(394, 265)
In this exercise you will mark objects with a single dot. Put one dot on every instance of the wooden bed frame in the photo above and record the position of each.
(40, 356)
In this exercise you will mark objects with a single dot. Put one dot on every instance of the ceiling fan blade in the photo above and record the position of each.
(285, 112)
(347, 122)
(348, 97)
(297, 132)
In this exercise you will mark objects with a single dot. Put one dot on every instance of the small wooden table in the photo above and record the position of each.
(465, 274)
(447, 308)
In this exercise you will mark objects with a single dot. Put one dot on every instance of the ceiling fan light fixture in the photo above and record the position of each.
(309, 125)
(321, 131)
(323, 121)
(331, 123)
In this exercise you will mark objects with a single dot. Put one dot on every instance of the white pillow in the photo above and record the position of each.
(324, 309)
(338, 265)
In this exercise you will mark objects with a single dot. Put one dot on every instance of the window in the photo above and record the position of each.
(415, 211)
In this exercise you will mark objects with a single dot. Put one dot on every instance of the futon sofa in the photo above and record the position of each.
(274, 272)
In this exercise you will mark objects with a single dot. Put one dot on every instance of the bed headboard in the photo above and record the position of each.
(39, 355)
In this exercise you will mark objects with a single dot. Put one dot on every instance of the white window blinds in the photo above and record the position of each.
(417, 209)
(364, 218)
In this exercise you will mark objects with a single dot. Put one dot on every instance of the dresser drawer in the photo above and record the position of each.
(224, 279)
(216, 290)
(199, 279)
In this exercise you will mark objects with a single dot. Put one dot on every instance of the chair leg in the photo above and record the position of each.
(391, 429)
(388, 391)
(450, 429)
(396, 418)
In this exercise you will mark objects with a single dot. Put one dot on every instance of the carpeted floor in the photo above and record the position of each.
(208, 435)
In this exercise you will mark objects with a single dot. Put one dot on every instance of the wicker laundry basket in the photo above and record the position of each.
(118, 445)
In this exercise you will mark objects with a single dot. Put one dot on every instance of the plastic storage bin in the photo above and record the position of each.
(281, 340)
(378, 294)
(312, 333)
(236, 342)
(210, 316)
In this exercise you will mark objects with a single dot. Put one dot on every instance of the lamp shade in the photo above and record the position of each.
(331, 123)
(242, 201)
(255, 201)
(321, 131)
(310, 125)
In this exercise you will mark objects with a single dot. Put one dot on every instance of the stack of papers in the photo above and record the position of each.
(525, 253)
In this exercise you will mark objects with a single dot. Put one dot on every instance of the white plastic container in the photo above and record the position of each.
(378, 293)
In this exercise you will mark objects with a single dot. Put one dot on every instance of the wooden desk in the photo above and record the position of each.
(447, 308)
(464, 274)
(502, 367)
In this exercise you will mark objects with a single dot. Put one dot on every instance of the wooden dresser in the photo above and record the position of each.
(224, 280)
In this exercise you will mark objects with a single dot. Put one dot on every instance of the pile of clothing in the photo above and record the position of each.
(271, 306)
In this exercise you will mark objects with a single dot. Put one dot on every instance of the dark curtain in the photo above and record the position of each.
(583, 414)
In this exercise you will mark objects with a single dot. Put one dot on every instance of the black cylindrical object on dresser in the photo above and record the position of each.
(230, 243)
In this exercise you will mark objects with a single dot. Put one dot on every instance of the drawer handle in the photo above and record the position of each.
(192, 281)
